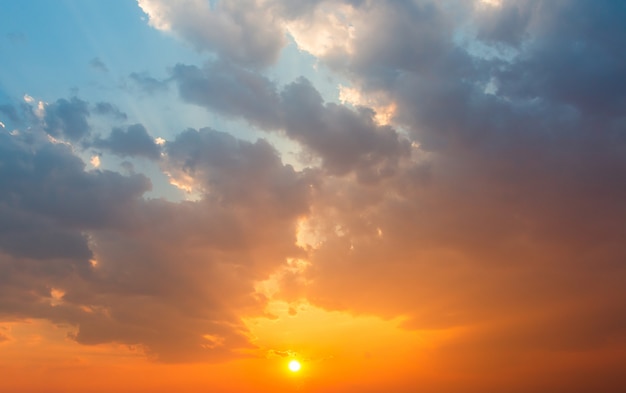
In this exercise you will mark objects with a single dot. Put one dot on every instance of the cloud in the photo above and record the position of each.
(241, 32)
(194, 287)
(239, 173)
(575, 63)
(172, 279)
(48, 198)
(231, 91)
(97, 64)
(67, 119)
(148, 83)
(132, 142)
(17, 38)
(108, 109)
(10, 112)
(345, 139)
(511, 198)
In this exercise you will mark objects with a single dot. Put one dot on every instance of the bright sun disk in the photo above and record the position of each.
(294, 366)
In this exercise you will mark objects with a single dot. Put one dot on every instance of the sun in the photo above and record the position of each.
(294, 366)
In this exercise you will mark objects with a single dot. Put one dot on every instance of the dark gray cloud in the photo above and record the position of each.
(134, 141)
(47, 200)
(27, 235)
(67, 119)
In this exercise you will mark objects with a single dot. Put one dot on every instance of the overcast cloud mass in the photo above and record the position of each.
(468, 177)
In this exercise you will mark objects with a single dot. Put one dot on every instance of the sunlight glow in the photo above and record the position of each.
(493, 3)
(294, 366)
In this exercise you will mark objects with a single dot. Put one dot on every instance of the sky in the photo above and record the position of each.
(401, 195)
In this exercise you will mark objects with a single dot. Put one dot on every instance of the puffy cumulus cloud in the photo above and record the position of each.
(345, 139)
(241, 31)
(134, 141)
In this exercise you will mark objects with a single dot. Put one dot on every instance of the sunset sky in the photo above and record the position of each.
(400, 195)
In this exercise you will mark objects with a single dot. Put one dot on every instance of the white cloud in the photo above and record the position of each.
(241, 31)
(329, 29)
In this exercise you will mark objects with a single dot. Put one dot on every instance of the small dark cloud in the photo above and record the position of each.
(97, 64)
(147, 83)
(17, 38)
(134, 141)
(108, 109)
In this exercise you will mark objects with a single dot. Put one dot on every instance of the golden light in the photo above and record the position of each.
(294, 366)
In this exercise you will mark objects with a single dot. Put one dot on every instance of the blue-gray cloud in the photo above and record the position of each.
(67, 119)
(134, 141)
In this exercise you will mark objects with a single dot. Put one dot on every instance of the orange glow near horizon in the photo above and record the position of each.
(338, 348)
